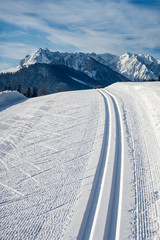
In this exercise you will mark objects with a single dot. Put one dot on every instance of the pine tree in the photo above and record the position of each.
(5, 88)
(35, 92)
(43, 90)
(29, 92)
(19, 88)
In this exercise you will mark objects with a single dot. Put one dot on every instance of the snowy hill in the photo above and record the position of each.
(82, 164)
(132, 66)
(8, 98)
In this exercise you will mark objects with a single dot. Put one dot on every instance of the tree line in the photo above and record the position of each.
(30, 92)
(145, 80)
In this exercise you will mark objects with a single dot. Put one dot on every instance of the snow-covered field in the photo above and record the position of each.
(82, 165)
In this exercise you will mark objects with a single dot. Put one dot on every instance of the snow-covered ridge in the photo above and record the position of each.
(10, 97)
(41, 56)
(138, 66)
(11, 70)
(132, 66)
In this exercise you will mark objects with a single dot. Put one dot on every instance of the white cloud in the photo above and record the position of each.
(14, 50)
(90, 25)
(5, 66)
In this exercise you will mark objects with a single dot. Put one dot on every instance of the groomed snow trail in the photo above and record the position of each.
(103, 213)
(45, 146)
(82, 165)
(141, 114)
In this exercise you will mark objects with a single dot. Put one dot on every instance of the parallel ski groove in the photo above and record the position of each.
(111, 228)
(87, 223)
(101, 198)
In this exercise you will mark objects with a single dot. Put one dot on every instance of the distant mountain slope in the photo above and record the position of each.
(51, 72)
(138, 66)
(132, 66)
(100, 72)
(48, 72)
(92, 67)
(41, 56)
(48, 78)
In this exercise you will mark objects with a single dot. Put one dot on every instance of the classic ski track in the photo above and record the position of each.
(110, 197)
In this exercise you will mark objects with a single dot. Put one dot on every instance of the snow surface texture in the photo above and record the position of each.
(141, 113)
(10, 97)
(132, 66)
(45, 146)
(82, 165)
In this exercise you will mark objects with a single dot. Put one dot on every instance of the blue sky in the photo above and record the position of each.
(99, 26)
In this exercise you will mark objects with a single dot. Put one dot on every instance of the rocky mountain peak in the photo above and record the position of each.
(132, 66)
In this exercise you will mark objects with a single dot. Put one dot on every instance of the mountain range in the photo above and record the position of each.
(54, 71)
(131, 66)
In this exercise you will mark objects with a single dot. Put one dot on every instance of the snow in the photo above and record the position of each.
(41, 56)
(8, 98)
(91, 73)
(46, 145)
(82, 165)
(11, 70)
(140, 107)
(133, 67)
(79, 81)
